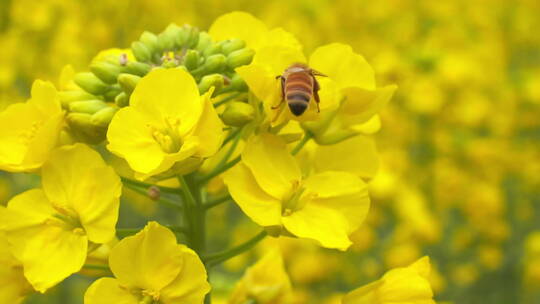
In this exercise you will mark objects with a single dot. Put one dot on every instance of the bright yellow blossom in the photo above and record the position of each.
(407, 285)
(266, 282)
(244, 26)
(269, 187)
(167, 125)
(13, 285)
(50, 228)
(29, 131)
(150, 267)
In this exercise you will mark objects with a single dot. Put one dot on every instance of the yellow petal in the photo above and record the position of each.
(108, 291)
(274, 168)
(360, 105)
(130, 137)
(44, 97)
(13, 284)
(364, 162)
(77, 178)
(168, 93)
(209, 129)
(239, 25)
(190, 286)
(265, 282)
(262, 82)
(29, 131)
(262, 208)
(408, 284)
(345, 67)
(48, 253)
(149, 260)
(324, 225)
(282, 37)
(334, 183)
(26, 209)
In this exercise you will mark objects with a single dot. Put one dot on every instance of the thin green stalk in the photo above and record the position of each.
(161, 200)
(227, 99)
(219, 170)
(186, 190)
(219, 257)
(301, 143)
(147, 185)
(217, 201)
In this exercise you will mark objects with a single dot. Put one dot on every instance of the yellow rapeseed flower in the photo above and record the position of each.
(150, 267)
(266, 282)
(168, 127)
(269, 187)
(29, 131)
(50, 228)
(406, 285)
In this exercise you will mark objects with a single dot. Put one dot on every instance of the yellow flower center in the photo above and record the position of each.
(293, 202)
(149, 297)
(169, 137)
(68, 220)
(27, 135)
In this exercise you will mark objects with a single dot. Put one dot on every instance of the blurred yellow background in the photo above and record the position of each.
(460, 142)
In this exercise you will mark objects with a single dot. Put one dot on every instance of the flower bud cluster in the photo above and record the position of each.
(114, 75)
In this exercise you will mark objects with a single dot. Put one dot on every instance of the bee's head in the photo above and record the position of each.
(298, 107)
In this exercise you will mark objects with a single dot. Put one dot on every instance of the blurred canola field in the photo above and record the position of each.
(459, 176)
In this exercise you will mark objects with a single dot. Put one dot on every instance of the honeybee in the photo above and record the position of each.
(298, 85)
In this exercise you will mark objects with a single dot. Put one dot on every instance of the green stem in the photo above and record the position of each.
(161, 200)
(219, 170)
(226, 99)
(301, 143)
(217, 201)
(219, 257)
(147, 185)
(231, 136)
(186, 190)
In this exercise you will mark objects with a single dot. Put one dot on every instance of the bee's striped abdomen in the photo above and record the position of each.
(298, 91)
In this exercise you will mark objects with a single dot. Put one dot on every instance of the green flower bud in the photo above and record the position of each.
(112, 92)
(212, 80)
(238, 84)
(191, 59)
(212, 50)
(166, 41)
(232, 45)
(193, 37)
(103, 117)
(128, 82)
(239, 58)
(90, 83)
(87, 106)
(204, 42)
(150, 40)
(82, 128)
(238, 114)
(106, 71)
(141, 51)
(66, 97)
(138, 68)
(122, 100)
(212, 64)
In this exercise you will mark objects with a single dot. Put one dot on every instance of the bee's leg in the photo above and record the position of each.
(316, 88)
(282, 92)
(317, 73)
